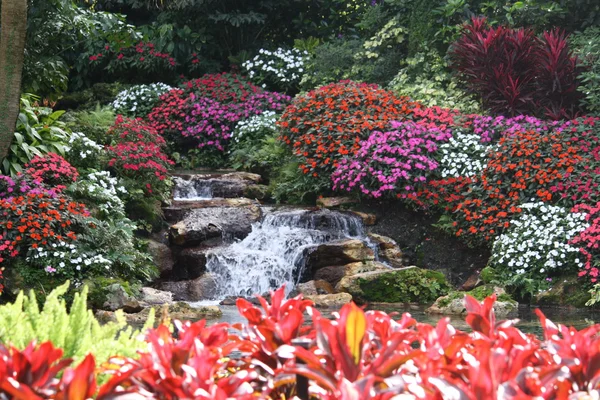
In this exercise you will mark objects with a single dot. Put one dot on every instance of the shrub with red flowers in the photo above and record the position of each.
(515, 72)
(395, 162)
(207, 109)
(138, 157)
(354, 355)
(328, 123)
(51, 169)
(589, 241)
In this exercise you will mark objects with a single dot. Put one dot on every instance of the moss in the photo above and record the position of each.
(412, 285)
(565, 292)
(479, 293)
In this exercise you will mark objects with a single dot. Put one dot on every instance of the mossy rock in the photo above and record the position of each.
(479, 293)
(453, 303)
(99, 290)
(409, 285)
(565, 292)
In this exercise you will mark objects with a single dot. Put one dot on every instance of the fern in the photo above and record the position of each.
(77, 332)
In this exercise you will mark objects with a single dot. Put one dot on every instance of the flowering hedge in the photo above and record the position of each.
(280, 69)
(139, 100)
(51, 169)
(328, 123)
(206, 110)
(355, 355)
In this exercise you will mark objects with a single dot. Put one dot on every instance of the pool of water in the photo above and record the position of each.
(528, 321)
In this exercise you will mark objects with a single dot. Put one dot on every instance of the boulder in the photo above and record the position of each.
(336, 300)
(206, 223)
(191, 261)
(339, 252)
(242, 176)
(334, 274)
(179, 209)
(453, 303)
(259, 192)
(118, 299)
(152, 297)
(162, 256)
(180, 311)
(366, 218)
(388, 250)
(403, 285)
(313, 288)
(332, 202)
(201, 288)
(473, 281)
(179, 290)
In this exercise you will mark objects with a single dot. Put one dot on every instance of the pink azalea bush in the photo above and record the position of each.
(396, 161)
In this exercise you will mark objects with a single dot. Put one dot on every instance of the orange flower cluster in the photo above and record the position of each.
(34, 220)
(329, 122)
(524, 167)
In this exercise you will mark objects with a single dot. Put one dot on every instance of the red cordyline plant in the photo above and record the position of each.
(356, 355)
(514, 72)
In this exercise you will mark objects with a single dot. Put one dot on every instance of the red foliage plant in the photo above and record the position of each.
(355, 355)
(515, 72)
(328, 123)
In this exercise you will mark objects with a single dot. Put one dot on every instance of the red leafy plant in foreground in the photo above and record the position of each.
(355, 355)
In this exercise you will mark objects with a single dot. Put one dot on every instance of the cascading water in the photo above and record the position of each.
(192, 189)
(274, 252)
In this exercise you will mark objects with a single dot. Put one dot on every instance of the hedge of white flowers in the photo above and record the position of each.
(83, 152)
(463, 155)
(538, 241)
(139, 100)
(281, 69)
(68, 260)
(103, 190)
(255, 127)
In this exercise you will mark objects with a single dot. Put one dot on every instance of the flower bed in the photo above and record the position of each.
(357, 355)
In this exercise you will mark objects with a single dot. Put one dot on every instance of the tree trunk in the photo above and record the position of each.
(13, 30)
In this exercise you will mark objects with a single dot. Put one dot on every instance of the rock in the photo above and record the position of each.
(231, 301)
(330, 300)
(339, 252)
(180, 289)
(388, 250)
(191, 261)
(332, 202)
(453, 303)
(151, 297)
(564, 292)
(367, 219)
(242, 176)
(179, 209)
(334, 274)
(206, 223)
(202, 288)
(118, 299)
(472, 282)
(180, 311)
(162, 257)
(313, 288)
(404, 285)
(259, 192)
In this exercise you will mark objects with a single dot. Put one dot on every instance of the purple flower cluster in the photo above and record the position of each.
(23, 185)
(395, 161)
(211, 122)
(491, 128)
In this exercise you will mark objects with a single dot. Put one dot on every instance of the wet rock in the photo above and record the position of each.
(339, 252)
(117, 298)
(313, 288)
(473, 281)
(330, 300)
(179, 209)
(206, 223)
(242, 176)
(332, 202)
(151, 297)
(162, 257)
(176, 311)
(453, 304)
(366, 218)
(334, 274)
(202, 288)
(191, 262)
(259, 192)
(180, 289)
(404, 285)
(231, 301)
(388, 250)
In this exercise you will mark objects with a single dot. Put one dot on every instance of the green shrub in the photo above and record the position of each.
(587, 46)
(94, 123)
(76, 331)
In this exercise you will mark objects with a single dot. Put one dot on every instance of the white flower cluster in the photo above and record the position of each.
(538, 240)
(65, 258)
(282, 66)
(103, 189)
(82, 147)
(139, 100)
(257, 124)
(463, 155)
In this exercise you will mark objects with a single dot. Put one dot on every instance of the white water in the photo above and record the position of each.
(192, 189)
(274, 252)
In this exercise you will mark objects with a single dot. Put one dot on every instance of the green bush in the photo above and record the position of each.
(94, 123)
(76, 331)
(587, 47)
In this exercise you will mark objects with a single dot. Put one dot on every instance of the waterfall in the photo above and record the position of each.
(192, 189)
(274, 252)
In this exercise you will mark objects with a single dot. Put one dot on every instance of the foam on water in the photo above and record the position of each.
(192, 189)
